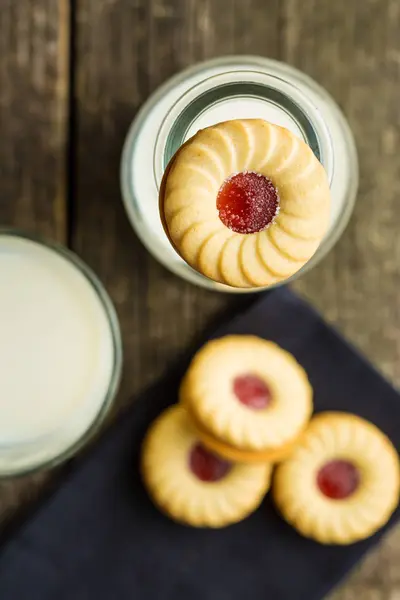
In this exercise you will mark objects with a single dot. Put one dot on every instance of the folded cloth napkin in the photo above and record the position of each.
(99, 536)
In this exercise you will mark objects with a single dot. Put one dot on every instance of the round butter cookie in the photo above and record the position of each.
(249, 396)
(341, 482)
(192, 485)
(245, 202)
(244, 456)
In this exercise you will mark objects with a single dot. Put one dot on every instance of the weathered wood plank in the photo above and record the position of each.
(353, 49)
(357, 285)
(34, 42)
(126, 49)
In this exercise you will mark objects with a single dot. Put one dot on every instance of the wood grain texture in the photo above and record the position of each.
(123, 49)
(356, 287)
(33, 115)
(353, 49)
(34, 64)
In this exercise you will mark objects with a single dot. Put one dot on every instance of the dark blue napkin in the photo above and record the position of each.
(99, 537)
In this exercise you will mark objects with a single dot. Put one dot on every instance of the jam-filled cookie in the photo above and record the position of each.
(192, 485)
(245, 456)
(245, 202)
(249, 398)
(341, 483)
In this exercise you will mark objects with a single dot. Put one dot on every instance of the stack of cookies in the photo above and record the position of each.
(245, 408)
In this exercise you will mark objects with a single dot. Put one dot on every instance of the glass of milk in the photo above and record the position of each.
(233, 87)
(60, 353)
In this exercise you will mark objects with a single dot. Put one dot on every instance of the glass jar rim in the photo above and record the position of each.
(216, 88)
(145, 129)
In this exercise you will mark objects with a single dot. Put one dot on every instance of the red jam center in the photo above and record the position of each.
(247, 202)
(338, 479)
(206, 465)
(252, 391)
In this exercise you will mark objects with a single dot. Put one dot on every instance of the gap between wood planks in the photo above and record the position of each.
(70, 172)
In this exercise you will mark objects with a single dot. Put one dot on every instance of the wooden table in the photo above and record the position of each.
(73, 74)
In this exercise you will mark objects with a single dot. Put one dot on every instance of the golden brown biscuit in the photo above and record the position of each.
(245, 202)
(232, 453)
(247, 393)
(341, 482)
(192, 485)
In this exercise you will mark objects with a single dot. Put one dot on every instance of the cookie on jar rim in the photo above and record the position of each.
(245, 202)
(341, 483)
(249, 394)
(192, 485)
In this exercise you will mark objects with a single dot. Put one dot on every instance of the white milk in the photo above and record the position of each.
(56, 353)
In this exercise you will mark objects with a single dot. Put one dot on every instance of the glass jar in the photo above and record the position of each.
(226, 88)
(60, 353)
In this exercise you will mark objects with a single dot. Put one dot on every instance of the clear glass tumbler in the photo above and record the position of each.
(61, 353)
